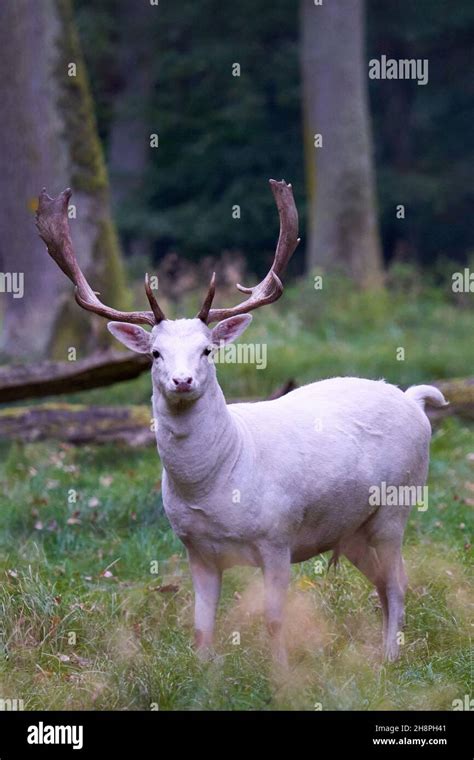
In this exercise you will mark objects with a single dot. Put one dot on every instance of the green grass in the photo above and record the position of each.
(75, 637)
(86, 624)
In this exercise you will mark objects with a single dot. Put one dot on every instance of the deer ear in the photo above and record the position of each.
(134, 337)
(230, 329)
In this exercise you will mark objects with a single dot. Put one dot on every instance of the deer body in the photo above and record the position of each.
(275, 482)
(294, 471)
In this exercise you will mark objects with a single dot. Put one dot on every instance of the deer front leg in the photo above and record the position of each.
(207, 587)
(276, 577)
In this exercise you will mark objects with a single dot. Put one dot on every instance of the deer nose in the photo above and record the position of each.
(182, 382)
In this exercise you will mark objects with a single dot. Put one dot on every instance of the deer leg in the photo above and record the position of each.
(381, 562)
(276, 578)
(395, 582)
(207, 586)
(365, 559)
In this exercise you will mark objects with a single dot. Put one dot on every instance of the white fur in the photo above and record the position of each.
(280, 481)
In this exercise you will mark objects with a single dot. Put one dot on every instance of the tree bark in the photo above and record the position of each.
(342, 221)
(48, 138)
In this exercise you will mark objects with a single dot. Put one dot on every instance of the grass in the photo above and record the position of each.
(87, 623)
(95, 598)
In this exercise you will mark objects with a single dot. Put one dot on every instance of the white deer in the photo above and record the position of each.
(275, 482)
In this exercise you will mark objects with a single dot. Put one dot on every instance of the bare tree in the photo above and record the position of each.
(49, 137)
(342, 219)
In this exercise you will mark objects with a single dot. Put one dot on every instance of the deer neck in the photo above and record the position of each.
(197, 442)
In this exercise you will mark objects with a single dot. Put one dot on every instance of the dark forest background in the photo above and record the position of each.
(223, 136)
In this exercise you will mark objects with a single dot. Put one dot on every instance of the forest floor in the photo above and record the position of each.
(95, 594)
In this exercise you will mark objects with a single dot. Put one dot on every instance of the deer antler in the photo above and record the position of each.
(270, 288)
(53, 227)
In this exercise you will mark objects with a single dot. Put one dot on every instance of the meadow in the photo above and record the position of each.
(96, 599)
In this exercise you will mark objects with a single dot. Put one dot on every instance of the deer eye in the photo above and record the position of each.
(156, 354)
(206, 351)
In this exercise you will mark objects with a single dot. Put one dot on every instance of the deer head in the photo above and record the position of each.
(181, 349)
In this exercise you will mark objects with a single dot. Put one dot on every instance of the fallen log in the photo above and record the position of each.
(460, 394)
(54, 378)
(78, 424)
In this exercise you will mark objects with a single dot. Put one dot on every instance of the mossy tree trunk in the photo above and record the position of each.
(48, 137)
(342, 220)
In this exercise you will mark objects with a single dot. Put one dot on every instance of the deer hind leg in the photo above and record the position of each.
(382, 563)
(365, 559)
(395, 581)
(381, 539)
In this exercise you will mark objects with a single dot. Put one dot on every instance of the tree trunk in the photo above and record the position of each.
(129, 142)
(48, 138)
(343, 232)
